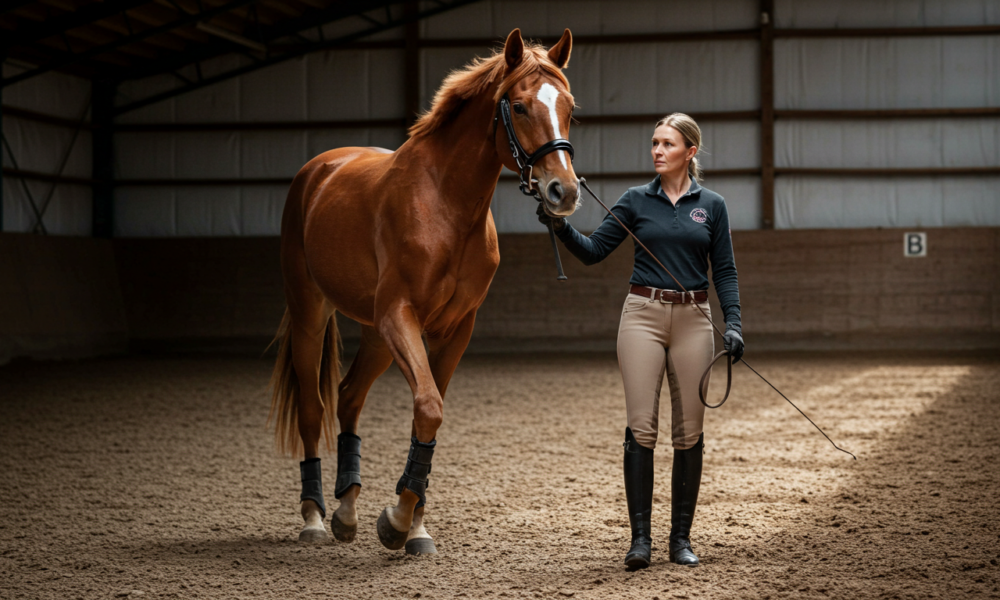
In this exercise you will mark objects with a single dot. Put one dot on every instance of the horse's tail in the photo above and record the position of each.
(285, 388)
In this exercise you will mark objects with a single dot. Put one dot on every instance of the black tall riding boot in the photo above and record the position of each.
(686, 480)
(639, 493)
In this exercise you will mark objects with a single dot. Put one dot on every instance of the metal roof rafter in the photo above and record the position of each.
(311, 18)
(187, 19)
(299, 51)
(89, 14)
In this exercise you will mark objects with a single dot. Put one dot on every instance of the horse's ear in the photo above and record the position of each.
(559, 54)
(513, 49)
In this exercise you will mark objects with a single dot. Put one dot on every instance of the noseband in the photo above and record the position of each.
(525, 162)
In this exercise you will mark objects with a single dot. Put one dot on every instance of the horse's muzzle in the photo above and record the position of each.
(560, 198)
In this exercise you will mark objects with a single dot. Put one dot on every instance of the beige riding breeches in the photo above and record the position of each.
(654, 338)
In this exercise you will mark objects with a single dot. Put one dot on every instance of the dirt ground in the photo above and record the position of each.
(155, 477)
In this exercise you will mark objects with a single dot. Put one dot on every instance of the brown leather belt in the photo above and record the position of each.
(669, 296)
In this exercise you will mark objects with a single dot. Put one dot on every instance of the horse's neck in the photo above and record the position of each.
(462, 158)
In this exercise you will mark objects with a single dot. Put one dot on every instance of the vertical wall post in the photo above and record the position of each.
(102, 151)
(2, 60)
(411, 68)
(767, 113)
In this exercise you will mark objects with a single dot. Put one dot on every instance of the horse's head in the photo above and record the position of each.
(540, 111)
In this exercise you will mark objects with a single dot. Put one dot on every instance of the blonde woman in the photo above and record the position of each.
(687, 227)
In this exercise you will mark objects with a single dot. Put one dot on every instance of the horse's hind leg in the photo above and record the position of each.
(372, 360)
(308, 334)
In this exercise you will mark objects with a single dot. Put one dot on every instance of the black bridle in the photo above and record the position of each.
(525, 162)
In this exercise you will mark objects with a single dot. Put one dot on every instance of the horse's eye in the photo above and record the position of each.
(519, 109)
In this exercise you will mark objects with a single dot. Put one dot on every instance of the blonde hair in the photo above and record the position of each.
(691, 133)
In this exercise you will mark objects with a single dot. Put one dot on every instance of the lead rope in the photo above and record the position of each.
(703, 386)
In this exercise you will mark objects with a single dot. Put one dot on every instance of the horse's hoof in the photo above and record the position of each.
(387, 534)
(313, 535)
(343, 533)
(420, 545)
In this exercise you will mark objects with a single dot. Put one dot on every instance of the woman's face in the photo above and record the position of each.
(670, 154)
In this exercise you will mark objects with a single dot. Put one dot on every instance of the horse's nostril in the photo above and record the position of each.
(554, 191)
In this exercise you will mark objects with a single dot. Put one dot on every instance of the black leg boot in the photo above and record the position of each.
(686, 479)
(639, 493)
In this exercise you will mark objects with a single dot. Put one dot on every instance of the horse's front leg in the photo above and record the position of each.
(446, 351)
(402, 332)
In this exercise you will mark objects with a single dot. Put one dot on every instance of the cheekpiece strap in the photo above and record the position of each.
(526, 161)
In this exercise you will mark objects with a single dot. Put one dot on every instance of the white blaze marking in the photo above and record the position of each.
(548, 94)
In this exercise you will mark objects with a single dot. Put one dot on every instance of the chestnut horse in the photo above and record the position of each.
(404, 243)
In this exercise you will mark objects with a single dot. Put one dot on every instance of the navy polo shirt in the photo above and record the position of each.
(685, 237)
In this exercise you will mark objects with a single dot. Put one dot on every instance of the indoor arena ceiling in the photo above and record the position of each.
(116, 40)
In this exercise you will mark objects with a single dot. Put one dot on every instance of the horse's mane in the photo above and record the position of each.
(475, 78)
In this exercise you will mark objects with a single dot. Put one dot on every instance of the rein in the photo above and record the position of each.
(526, 163)
(703, 386)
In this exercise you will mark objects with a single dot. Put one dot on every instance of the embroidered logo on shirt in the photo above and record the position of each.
(699, 215)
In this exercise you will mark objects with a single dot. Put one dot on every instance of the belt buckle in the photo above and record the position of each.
(663, 298)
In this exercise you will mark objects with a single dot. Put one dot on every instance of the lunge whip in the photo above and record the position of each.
(702, 390)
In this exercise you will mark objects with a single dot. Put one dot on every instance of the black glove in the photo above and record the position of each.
(733, 342)
(544, 218)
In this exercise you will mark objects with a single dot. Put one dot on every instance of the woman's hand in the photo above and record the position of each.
(545, 219)
(733, 343)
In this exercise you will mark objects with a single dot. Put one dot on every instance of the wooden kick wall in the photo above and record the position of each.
(821, 289)
(817, 289)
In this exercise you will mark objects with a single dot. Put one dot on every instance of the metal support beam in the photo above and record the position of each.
(308, 20)
(29, 34)
(102, 150)
(767, 113)
(276, 58)
(70, 59)
(2, 58)
(411, 68)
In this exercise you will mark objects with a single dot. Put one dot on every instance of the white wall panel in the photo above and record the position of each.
(208, 211)
(272, 153)
(355, 84)
(276, 93)
(901, 143)
(145, 155)
(41, 147)
(145, 212)
(51, 93)
(971, 201)
(669, 77)
(196, 211)
(828, 202)
(821, 14)
(872, 73)
(68, 212)
(742, 196)
(261, 209)
(214, 103)
(207, 154)
(138, 89)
